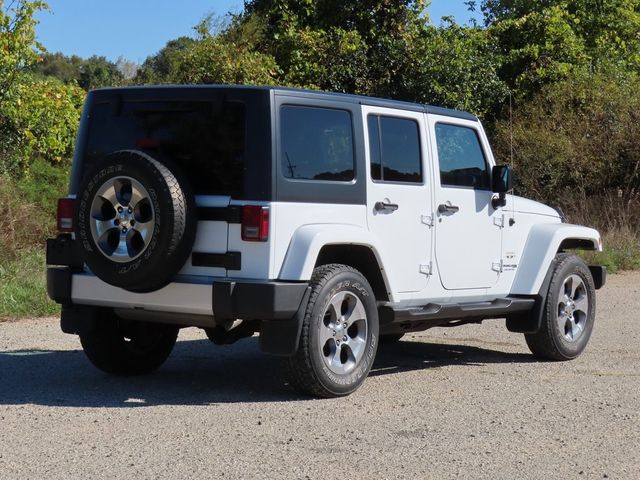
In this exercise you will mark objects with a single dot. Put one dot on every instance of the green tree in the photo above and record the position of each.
(41, 121)
(164, 65)
(355, 47)
(213, 59)
(544, 41)
(19, 49)
(97, 72)
(456, 67)
(60, 66)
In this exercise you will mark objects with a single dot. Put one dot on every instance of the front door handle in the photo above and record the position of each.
(448, 208)
(386, 207)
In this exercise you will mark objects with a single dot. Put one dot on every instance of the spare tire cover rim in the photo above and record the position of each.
(122, 219)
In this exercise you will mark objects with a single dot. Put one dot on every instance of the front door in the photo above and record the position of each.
(398, 194)
(468, 229)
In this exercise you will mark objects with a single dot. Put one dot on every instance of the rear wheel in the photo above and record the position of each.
(569, 312)
(339, 334)
(124, 347)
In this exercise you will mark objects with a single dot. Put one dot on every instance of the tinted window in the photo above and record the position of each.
(394, 144)
(317, 144)
(462, 162)
(205, 139)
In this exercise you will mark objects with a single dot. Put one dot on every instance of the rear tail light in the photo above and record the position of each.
(255, 223)
(65, 214)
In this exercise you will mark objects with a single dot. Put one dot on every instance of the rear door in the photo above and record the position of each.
(468, 229)
(398, 197)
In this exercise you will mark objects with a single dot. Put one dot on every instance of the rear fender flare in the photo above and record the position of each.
(308, 240)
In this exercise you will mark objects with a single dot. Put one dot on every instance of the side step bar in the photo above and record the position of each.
(433, 314)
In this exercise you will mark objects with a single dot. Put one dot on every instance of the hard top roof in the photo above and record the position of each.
(317, 94)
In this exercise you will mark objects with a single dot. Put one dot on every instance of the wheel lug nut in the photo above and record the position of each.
(334, 333)
(116, 222)
(119, 209)
(133, 222)
(344, 339)
(129, 209)
(344, 325)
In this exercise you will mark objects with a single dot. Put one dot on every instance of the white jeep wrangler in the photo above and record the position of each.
(328, 223)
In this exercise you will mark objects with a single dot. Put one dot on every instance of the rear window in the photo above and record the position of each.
(317, 144)
(206, 139)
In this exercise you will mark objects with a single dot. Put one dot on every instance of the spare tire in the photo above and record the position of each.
(135, 221)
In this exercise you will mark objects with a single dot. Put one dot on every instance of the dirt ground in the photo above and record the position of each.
(448, 403)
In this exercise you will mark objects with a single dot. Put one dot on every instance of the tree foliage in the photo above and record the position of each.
(38, 118)
(41, 121)
(577, 139)
(566, 63)
(18, 47)
(544, 41)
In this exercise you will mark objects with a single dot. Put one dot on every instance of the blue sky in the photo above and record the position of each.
(135, 29)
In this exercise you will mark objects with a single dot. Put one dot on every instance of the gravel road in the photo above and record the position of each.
(448, 403)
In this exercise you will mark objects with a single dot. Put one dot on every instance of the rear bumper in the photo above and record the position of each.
(278, 305)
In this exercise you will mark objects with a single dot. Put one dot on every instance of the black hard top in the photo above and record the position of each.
(302, 93)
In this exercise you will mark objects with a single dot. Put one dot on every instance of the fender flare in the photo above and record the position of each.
(541, 247)
(308, 240)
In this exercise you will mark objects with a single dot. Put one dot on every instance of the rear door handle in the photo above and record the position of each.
(386, 207)
(448, 208)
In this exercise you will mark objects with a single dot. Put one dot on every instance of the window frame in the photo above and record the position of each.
(318, 191)
(280, 145)
(421, 152)
(483, 150)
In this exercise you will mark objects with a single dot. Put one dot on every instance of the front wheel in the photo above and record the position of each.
(124, 347)
(339, 334)
(569, 312)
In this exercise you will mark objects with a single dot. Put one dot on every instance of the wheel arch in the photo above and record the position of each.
(315, 245)
(542, 245)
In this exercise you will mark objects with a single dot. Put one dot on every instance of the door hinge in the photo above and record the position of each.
(426, 269)
(428, 220)
(499, 221)
(497, 266)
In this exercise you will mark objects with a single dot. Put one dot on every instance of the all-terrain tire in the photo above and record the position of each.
(568, 312)
(123, 347)
(339, 365)
(153, 257)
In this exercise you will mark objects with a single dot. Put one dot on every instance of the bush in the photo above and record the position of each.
(43, 184)
(576, 139)
(39, 120)
(23, 224)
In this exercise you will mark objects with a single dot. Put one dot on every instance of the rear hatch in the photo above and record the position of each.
(218, 137)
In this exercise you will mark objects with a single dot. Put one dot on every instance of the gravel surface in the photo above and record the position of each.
(448, 403)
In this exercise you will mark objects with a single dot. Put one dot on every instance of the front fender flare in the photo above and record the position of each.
(541, 247)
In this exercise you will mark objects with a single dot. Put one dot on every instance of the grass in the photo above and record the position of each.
(28, 218)
(621, 251)
(617, 217)
(23, 291)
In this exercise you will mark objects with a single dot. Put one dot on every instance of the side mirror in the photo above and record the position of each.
(501, 178)
(501, 183)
